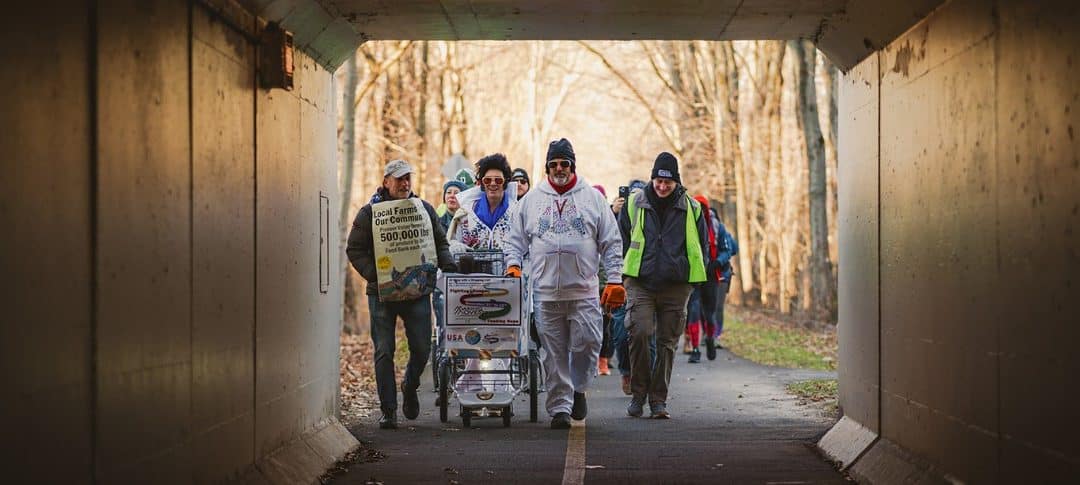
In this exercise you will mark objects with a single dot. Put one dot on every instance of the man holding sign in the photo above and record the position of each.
(397, 245)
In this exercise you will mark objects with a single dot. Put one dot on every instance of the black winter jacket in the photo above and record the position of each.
(664, 261)
(361, 245)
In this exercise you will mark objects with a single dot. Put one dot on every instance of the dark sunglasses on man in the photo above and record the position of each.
(561, 163)
(492, 181)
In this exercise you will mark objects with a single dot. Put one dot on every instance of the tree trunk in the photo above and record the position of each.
(348, 160)
(421, 123)
(820, 266)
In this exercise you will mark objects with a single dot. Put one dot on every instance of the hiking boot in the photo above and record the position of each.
(695, 357)
(635, 409)
(603, 365)
(581, 408)
(388, 420)
(710, 348)
(658, 410)
(626, 385)
(560, 421)
(410, 402)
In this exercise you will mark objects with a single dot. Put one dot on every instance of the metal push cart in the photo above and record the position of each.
(483, 356)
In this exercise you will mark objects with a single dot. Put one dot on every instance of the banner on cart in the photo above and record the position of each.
(483, 301)
(405, 256)
(482, 338)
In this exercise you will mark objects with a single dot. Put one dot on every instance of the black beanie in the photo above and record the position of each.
(562, 148)
(666, 166)
(520, 172)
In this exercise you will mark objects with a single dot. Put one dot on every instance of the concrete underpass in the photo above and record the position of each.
(171, 295)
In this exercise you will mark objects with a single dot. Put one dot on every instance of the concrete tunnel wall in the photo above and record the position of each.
(168, 322)
(959, 188)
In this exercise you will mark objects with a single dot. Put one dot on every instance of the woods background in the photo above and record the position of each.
(742, 117)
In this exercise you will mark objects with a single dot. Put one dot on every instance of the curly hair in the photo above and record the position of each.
(495, 161)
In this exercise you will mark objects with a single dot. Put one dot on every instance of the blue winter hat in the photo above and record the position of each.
(453, 183)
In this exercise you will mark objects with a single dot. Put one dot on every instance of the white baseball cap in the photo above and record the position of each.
(397, 169)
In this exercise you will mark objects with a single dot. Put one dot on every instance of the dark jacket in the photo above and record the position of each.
(361, 246)
(445, 219)
(664, 261)
(726, 248)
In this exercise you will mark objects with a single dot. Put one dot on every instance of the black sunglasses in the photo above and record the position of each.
(561, 163)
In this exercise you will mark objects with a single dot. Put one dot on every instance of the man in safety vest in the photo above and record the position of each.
(664, 236)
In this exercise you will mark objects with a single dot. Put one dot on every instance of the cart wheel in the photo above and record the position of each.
(534, 386)
(466, 418)
(435, 367)
(444, 390)
(507, 412)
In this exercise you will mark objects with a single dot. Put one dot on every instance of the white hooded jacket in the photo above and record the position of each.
(565, 237)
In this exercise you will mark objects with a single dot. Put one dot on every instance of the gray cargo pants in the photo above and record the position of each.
(662, 313)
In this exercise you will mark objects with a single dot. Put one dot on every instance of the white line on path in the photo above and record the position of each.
(574, 470)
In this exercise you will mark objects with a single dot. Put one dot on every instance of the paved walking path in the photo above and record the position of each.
(732, 423)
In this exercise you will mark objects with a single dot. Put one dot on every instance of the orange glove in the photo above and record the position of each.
(613, 297)
(514, 271)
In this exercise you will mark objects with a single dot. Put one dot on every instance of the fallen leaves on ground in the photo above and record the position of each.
(359, 396)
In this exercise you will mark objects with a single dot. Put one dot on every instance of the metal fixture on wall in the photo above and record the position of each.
(276, 58)
(324, 243)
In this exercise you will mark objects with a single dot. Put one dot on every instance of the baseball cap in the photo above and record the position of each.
(397, 169)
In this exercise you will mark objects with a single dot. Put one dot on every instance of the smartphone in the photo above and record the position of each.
(624, 191)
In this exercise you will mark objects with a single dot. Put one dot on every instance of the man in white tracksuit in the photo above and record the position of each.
(566, 227)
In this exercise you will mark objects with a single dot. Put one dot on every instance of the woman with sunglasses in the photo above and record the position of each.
(483, 222)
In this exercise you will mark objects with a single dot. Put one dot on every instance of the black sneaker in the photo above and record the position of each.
(580, 408)
(388, 420)
(560, 421)
(710, 348)
(635, 409)
(658, 410)
(410, 402)
(695, 357)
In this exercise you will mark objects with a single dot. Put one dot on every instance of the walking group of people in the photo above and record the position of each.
(622, 280)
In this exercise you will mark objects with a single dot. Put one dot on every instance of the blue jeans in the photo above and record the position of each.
(417, 317)
(621, 340)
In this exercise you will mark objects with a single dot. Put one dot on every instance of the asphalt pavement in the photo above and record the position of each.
(732, 422)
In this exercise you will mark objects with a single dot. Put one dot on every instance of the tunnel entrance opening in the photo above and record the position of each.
(593, 88)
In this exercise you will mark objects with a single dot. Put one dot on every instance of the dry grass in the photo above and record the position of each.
(770, 341)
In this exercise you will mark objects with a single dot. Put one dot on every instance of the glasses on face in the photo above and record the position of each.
(492, 181)
(558, 163)
(520, 180)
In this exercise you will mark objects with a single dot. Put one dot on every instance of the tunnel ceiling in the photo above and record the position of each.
(845, 30)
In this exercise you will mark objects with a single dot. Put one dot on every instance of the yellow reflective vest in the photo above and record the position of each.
(632, 260)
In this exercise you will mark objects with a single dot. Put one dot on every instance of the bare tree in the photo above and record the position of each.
(348, 160)
(820, 266)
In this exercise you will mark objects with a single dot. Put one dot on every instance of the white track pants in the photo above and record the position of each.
(570, 333)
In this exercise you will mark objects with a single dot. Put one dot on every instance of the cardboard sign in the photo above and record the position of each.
(489, 301)
(405, 256)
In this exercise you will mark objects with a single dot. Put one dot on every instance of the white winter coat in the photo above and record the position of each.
(565, 236)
